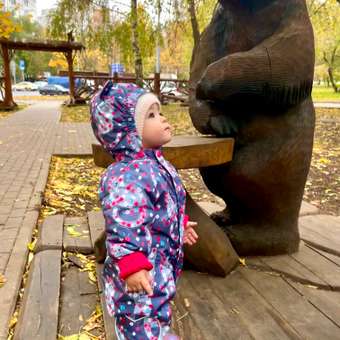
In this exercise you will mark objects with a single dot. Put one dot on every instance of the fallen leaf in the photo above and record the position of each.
(242, 261)
(2, 280)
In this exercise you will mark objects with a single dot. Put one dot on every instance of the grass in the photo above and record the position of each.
(75, 114)
(324, 94)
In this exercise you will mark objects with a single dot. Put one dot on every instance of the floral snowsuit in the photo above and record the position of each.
(143, 202)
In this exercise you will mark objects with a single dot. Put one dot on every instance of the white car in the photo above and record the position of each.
(24, 86)
(170, 89)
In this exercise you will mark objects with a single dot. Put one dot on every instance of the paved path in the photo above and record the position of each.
(28, 138)
(327, 105)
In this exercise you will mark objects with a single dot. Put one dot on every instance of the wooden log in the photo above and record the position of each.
(78, 300)
(81, 243)
(213, 252)
(50, 235)
(38, 318)
(184, 152)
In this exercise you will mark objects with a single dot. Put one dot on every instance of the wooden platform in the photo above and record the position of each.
(281, 297)
(183, 151)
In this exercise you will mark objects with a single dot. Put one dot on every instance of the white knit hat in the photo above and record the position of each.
(142, 106)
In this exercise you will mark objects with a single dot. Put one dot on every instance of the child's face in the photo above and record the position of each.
(156, 130)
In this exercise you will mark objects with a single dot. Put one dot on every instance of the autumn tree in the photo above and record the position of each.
(7, 24)
(327, 37)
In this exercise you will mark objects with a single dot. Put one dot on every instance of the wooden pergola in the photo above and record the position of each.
(8, 46)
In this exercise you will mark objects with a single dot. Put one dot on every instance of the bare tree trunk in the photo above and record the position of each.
(331, 78)
(330, 64)
(194, 23)
(135, 44)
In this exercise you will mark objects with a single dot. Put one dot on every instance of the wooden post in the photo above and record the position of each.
(71, 76)
(157, 84)
(8, 100)
(115, 77)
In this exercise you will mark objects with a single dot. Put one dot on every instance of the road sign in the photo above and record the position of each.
(22, 65)
(119, 68)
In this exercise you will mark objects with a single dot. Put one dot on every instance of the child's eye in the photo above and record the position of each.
(151, 114)
(161, 114)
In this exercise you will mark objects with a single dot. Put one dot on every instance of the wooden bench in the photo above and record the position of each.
(213, 252)
(294, 296)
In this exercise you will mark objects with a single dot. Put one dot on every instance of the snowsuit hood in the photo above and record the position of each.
(113, 119)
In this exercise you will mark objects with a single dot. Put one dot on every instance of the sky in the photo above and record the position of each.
(43, 4)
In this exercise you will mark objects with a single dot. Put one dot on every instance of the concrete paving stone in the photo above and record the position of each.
(29, 138)
(18, 213)
(3, 219)
(12, 194)
(20, 204)
(7, 245)
(5, 209)
(3, 261)
(8, 234)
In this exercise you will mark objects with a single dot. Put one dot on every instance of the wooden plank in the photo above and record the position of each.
(305, 318)
(50, 235)
(252, 313)
(38, 317)
(223, 315)
(81, 244)
(289, 267)
(109, 322)
(319, 265)
(78, 300)
(184, 152)
(96, 225)
(201, 311)
(213, 252)
(309, 284)
(331, 257)
(322, 231)
(308, 209)
(182, 322)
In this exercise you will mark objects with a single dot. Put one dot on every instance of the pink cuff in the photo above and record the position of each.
(133, 263)
(186, 219)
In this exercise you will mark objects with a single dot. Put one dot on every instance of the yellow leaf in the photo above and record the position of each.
(82, 336)
(242, 261)
(92, 277)
(31, 245)
(324, 160)
(2, 280)
(73, 232)
(13, 321)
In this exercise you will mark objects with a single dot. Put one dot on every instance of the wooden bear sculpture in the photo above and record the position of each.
(251, 78)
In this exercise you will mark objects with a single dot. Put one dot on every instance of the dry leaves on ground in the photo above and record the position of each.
(72, 187)
(322, 187)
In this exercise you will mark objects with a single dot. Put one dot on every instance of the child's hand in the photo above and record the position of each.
(190, 235)
(139, 282)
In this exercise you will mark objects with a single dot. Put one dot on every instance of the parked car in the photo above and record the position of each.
(170, 89)
(24, 86)
(53, 90)
(40, 84)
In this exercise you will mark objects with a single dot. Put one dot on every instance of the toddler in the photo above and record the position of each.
(143, 202)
